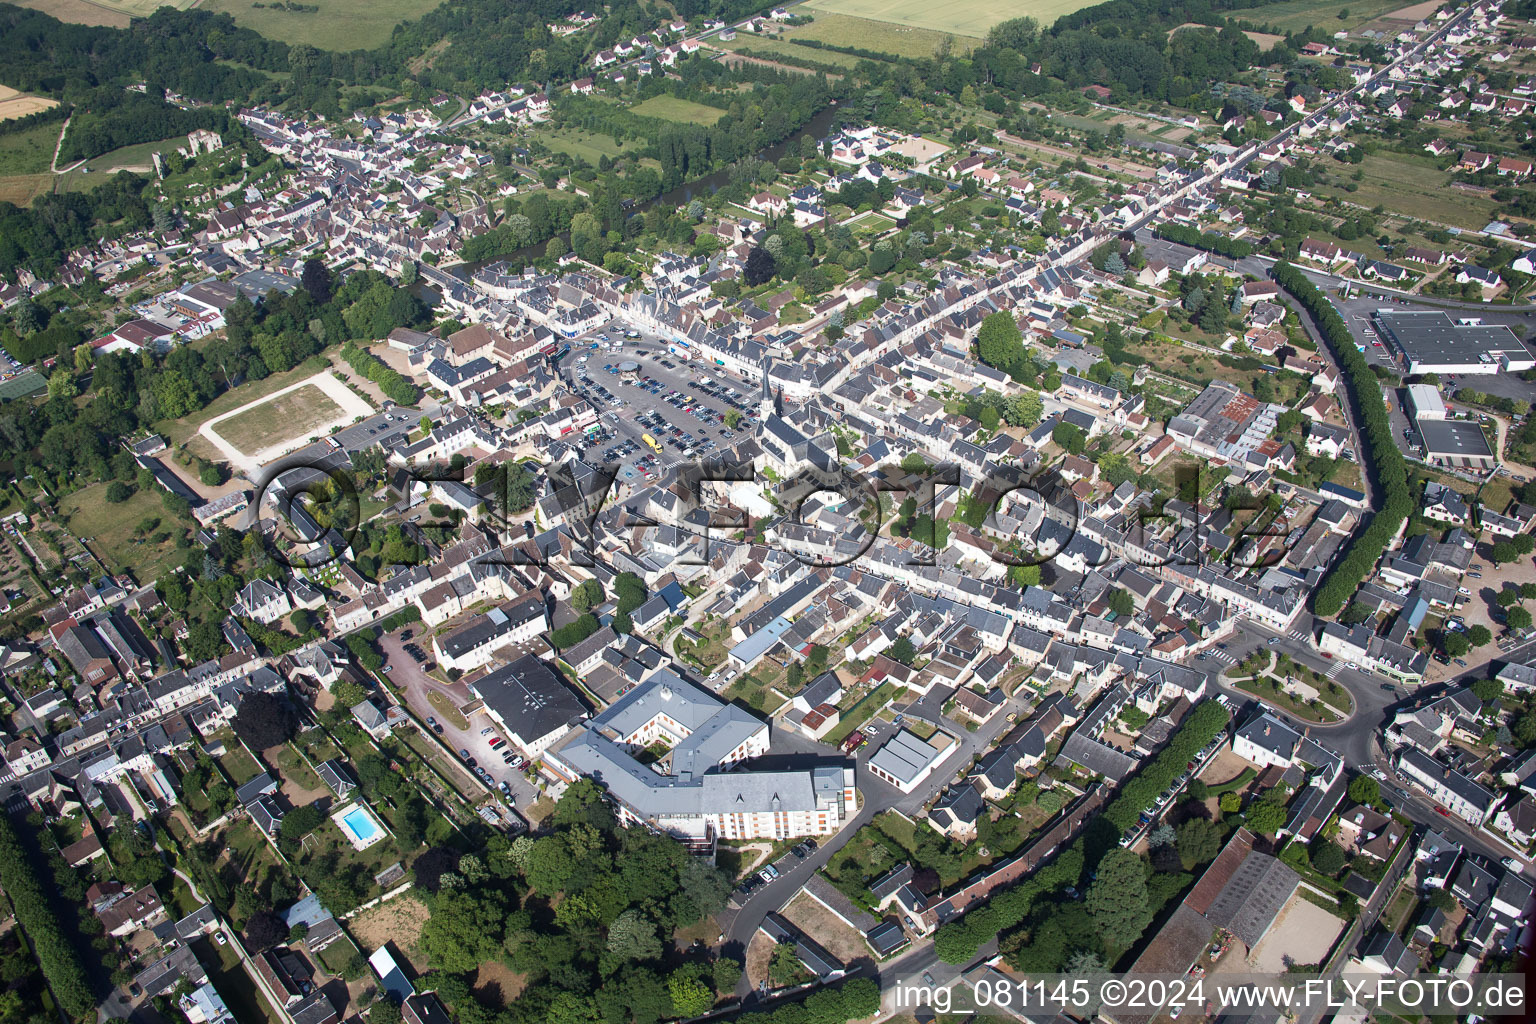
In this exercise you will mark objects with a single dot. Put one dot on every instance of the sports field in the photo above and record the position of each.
(672, 108)
(286, 417)
(961, 17)
(337, 25)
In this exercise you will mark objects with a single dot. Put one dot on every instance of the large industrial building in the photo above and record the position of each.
(1429, 341)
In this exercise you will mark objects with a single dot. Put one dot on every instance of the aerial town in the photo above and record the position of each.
(655, 512)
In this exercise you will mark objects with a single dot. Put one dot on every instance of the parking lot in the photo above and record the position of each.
(407, 657)
(680, 406)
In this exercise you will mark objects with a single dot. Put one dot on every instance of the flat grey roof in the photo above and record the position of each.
(1432, 337)
(1453, 438)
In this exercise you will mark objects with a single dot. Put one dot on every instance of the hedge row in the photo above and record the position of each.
(1221, 245)
(57, 956)
(1381, 456)
(395, 387)
(958, 940)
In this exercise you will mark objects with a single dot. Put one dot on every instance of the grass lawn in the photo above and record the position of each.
(338, 25)
(79, 12)
(445, 707)
(882, 37)
(964, 17)
(239, 764)
(580, 143)
(673, 108)
(110, 529)
(284, 418)
(132, 158)
(1296, 15)
(1286, 702)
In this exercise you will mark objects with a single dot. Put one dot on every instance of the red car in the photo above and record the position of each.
(1442, 810)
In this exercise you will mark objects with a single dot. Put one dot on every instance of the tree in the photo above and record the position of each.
(118, 492)
(690, 996)
(1199, 840)
(1328, 858)
(264, 930)
(264, 720)
(1517, 618)
(316, 280)
(1121, 602)
(1230, 803)
(1266, 818)
(1504, 552)
(586, 595)
(1070, 438)
(1364, 790)
(1506, 598)
(432, 865)
(385, 1011)
(725, 971)
(1000, 343)
(1441, 900)
(760, 267)
(1488, 690)
(632, 936)
(901, 651)
(1117, 899)
(1455, 644)
(204, 642)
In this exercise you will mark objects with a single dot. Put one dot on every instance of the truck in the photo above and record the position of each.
(650, 441)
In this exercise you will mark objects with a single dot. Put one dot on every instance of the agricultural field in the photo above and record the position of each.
(883, 37)
(337, 25)
(1296, 15)
(282, 418)
(19, 104)
(25, 157)
(81, 12)
(767, 48)
(672, 108)
(964, 18)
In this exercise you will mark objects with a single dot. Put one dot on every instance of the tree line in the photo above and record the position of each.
(1382, 459)
(37, 916)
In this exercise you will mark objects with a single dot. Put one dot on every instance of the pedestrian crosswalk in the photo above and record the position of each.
(1334, 669)
(1224, 657)
(1299, 634)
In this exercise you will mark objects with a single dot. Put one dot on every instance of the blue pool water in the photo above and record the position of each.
(360, 824)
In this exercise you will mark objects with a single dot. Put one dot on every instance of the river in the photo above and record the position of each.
(708, 185)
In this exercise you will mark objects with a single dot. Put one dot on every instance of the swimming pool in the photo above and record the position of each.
(359, 826)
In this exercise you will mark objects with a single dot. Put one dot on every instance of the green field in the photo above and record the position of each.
(28, 151)
(337, 25)
(1417, 187)
(284, 418)
(963, 18)
(767, 49)
(112, 530)
(673, 108)
(880, 36)
(1296, 15)
(580, 143)
(25, 157)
